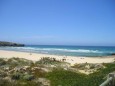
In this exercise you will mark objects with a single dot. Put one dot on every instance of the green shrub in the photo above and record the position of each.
(6, 83)
(3, 74)
(2, 62)
(18, 62)
(68, 78)
(16, 76)
(47, 60)
(28, 77)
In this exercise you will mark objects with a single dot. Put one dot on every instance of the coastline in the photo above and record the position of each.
(70, 59)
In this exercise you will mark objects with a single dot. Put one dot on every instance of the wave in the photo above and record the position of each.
(57, 49)
(79, 50)
(84, 51)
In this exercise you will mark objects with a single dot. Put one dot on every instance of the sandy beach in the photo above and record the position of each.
(69, 59)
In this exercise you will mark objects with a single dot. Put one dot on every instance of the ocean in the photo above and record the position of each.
(87, 51)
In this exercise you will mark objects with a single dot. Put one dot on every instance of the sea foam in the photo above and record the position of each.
(58, 49)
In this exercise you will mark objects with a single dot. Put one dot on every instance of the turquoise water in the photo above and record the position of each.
(65, 50)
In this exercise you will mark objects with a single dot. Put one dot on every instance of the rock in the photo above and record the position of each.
(3, 43)
(113, 54)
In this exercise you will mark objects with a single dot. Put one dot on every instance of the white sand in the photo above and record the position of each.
(69, 59)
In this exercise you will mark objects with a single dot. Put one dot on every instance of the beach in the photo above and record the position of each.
(70, 59)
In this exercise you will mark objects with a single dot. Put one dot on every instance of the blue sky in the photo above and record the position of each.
(58, 22)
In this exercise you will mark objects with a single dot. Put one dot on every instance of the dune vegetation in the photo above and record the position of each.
(51, 72)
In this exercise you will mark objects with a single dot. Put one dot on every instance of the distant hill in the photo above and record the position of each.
(4, 43)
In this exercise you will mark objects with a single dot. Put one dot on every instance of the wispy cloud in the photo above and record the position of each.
(38, 37)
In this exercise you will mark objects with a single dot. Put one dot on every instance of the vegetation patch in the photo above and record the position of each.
(69, 78)
(50, 72)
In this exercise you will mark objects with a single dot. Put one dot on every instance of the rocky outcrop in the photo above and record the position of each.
(3, 43)
(113, 54)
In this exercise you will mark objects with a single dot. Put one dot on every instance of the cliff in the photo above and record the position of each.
(3, 43)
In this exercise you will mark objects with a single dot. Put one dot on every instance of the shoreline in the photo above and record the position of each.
(70, 59)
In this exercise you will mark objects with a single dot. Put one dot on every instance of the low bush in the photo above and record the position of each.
(28, 77)
(68, 78)
(47, 60)
(2, 62)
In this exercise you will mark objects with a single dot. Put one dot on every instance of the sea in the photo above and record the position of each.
(86, 51)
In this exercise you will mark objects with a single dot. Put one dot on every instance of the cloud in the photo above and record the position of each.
(38, 37)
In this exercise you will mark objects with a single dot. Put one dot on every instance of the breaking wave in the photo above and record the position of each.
(57, 49)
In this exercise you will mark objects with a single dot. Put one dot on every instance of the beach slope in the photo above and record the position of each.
(69, 59)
